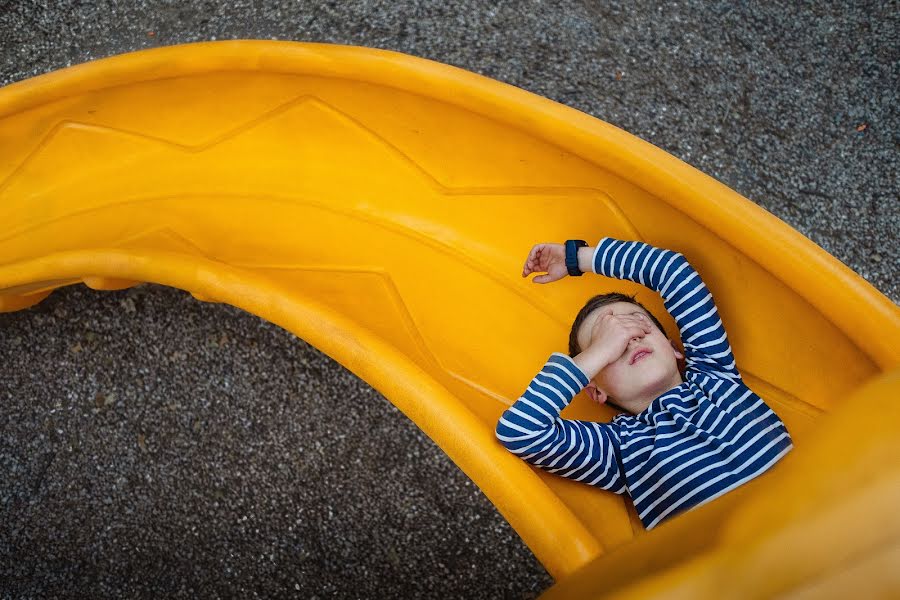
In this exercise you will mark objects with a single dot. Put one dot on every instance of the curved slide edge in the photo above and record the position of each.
(558, 538)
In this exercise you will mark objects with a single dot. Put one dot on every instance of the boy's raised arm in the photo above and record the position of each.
(533, 430)
(684, 294)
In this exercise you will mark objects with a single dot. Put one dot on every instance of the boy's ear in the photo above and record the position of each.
(595, 393)
(678, 355)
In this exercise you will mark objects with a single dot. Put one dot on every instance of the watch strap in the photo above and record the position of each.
(572, 247)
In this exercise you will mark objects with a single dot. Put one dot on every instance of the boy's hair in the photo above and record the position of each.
(592, 305)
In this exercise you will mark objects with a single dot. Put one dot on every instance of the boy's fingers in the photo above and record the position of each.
(640, 319)
(645, 321)
(535, 261)
(529, 262)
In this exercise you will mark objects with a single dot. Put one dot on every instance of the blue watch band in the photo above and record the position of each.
(572, 247)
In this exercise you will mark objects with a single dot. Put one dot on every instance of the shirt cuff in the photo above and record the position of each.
(600, 246)
(565, 361)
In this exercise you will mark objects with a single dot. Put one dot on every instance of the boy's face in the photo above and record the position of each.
(647, 368)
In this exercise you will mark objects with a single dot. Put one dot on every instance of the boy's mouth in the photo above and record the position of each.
(639, 354)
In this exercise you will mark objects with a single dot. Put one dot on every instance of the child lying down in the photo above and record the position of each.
(680, 440)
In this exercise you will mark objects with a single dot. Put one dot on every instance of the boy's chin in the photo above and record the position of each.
(654, 387)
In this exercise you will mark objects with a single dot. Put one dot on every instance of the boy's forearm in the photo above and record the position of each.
(592, 360)
(586, 259)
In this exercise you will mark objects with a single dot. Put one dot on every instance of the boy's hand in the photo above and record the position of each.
(611, 335)
(549, 259)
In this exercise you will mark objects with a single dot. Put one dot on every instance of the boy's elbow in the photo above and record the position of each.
(504, 434)
(522, 440)
(513, 437)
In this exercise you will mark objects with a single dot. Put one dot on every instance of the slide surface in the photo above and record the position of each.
(380, 207)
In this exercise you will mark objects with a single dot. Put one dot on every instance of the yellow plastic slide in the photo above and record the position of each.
(381, 207)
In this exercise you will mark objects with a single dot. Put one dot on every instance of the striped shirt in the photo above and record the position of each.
(692, 444)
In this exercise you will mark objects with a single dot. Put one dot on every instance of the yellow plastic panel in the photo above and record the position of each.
(380, 207)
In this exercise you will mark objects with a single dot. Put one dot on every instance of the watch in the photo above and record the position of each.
(572, 247)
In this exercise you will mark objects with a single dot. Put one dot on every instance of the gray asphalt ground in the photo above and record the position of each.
(154, 446)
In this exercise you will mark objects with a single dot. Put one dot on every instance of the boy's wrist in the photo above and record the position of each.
(586, 259)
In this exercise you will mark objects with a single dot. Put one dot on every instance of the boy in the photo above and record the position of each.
(687, 440)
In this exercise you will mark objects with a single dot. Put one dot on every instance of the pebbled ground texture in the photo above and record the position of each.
(154, 446)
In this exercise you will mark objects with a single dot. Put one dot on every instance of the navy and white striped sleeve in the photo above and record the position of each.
(533, 430)
(684, 294)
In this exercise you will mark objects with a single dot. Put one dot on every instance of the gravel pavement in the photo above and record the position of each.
(155, 446)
